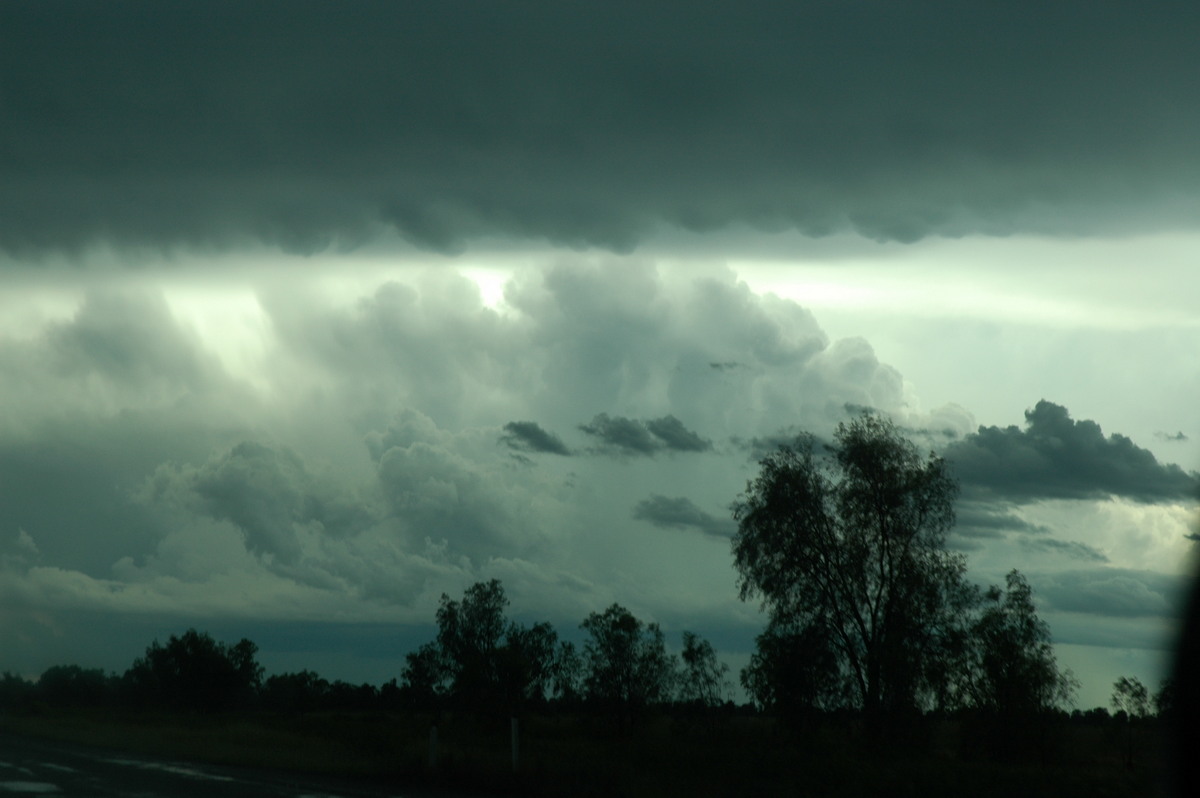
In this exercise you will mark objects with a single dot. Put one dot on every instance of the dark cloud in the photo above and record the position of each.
(761, 446)
(306, 126)
(1056, 457)
(1117, 592)
(528, 436)
(675, 436)
(991, 520)
(1069, 548)
(629, 436)
(682, 513)
(620, 434)
(1171, 437)
(267, 492)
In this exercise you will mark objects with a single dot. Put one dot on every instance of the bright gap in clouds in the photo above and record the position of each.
(1120, 284)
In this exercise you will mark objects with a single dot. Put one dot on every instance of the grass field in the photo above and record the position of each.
(741, 755)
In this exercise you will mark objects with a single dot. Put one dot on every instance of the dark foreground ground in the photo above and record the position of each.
(33, 766)
(375, 754)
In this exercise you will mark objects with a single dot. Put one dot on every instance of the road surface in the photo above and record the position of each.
(41, 767)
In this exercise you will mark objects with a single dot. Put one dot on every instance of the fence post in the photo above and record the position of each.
(516, 742)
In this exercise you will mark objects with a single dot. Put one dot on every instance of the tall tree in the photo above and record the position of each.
(470, 635)
(483, 661)
(853, 542)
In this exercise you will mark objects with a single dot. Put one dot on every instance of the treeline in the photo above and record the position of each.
(480, 662)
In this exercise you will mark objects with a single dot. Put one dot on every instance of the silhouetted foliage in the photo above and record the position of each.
(73, 686)
(15, 692)
(300, 692)
(1013, 668)
(794, 671)
(195, 672)
(854, 544)
(702, 678)
(1166, 699)
(626, 665)
(1131, 697)
(527, 664)
(1131, 701)
(424, 680)
(470, 633)
(481, 661)
(566, 680)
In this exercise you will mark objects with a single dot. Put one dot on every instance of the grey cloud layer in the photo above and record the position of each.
(529, 436)
(1057, 457)
(630, 436)
(682, 513)
(308, 124)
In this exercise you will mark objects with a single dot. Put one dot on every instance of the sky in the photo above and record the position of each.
(313, 312)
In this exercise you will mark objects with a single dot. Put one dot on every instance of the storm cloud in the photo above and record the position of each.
(530, 437)
(629, 436)
(1057, 457)
(680, 512)
(307, 125)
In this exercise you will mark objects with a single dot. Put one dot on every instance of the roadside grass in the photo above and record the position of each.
(664, 756)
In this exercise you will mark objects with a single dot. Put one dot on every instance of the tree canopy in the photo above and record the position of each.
(626, 662)
(1012, 668)
(849, 544)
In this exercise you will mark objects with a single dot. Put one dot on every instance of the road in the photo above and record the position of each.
(40, 767)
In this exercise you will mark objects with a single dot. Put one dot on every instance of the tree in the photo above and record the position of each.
(794, 670)
(195, 672)
(566, 680)
(853, 543)
(1131, 700)
(424, 680)
(73, 686)
(1014, 671)
(702, 679)
(489, 663)
(1165, 699)
(1131, 697)
(300, 692)
(626, 665)
(528, 661)
(469, 635)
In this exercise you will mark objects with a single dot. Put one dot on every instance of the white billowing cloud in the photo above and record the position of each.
(375, 464)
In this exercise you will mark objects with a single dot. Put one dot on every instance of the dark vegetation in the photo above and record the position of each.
(881, 671)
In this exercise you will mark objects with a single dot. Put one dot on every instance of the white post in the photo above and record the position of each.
(516, 744)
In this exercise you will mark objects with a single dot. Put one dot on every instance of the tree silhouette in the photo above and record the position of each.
(482, 661)
(702, 679)
(793, 671)
(1014, 671)
(626, 666)
(73, 686)
(1131, 701)
(853, 544)
(470, 633)
(195, 672)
